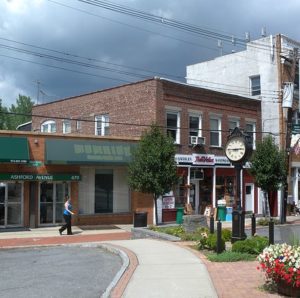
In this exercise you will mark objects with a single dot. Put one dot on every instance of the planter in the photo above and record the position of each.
(287, 290)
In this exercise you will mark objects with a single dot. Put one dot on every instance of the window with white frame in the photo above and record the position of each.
(215, 132)
(233, 123)
(195, 125)
(102, 125)
(78, 125)
(255, 85)
(66, 126)
(48, 126)
(173, 125)
(251, 131)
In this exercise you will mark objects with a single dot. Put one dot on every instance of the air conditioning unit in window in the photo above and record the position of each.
(197, 140)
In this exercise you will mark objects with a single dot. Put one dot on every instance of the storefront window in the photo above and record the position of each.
(104, 191)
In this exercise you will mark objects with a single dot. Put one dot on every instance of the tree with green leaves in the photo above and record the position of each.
(3, 116)
(153, 168)
(268, 167)
(20, 113)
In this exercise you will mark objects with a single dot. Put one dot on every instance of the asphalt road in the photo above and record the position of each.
(60, 271)
(282, 233)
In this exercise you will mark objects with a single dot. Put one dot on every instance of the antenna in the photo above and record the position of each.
(220, 46)
(38, 91)
(247, 36)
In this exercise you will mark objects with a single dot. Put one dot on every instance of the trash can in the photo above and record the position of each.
(140, 219)
(179, 215)
(228, 213)
(222, 213)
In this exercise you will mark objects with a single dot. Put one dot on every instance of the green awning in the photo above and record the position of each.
(14, 150)
(58, 151)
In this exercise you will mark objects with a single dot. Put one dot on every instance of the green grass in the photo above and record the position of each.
(230, 256)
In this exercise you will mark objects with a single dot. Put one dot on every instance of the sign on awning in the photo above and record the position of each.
(14, 150)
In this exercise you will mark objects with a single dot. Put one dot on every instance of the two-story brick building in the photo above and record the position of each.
(198, 119)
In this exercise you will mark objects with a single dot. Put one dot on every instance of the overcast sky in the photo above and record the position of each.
(71, 47)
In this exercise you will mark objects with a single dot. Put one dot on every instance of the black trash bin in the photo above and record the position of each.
(140, 219)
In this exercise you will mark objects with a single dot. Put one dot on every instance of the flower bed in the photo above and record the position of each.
(281, 264)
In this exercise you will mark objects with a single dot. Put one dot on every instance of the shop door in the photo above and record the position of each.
(52, 202)
(10, 204)
(249, 198)
(194, 195)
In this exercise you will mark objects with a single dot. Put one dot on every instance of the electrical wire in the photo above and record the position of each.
(267, 93)
(118, 123)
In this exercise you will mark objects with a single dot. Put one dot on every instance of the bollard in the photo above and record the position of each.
(219, 237)
(271, 231)
(253, 225)
(211, 224)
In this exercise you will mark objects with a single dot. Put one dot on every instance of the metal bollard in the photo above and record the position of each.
(271, 231)
(219, 237)
(211, 224)
(253, 225)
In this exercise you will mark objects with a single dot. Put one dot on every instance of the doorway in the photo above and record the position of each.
(52, 199)
(249, 197)
(11, 204)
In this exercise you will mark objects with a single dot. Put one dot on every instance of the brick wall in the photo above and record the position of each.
(144, 102)
(126, 105)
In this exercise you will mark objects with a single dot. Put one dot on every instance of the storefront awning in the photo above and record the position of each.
(58, 151)
(14, 150)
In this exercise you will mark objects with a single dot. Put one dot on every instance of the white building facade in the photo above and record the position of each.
(262, 71)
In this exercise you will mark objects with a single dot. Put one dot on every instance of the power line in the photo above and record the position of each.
(117, 123)
(171, 23)
(89, 65)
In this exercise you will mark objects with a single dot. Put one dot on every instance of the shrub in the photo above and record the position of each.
(230, 256)
(254, 245)
(265, 221)
(211, 242)
(226, 235)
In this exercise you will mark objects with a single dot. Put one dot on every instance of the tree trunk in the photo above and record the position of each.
(267, 206)
(155, 205)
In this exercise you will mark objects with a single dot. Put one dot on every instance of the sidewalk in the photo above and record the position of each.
(157, 268)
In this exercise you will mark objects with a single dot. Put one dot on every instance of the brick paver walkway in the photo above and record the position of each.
(56, 240)
(235, 279)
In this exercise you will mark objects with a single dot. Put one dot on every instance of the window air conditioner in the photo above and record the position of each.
(194, 140)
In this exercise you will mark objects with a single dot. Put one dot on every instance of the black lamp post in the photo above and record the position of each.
(238, 150)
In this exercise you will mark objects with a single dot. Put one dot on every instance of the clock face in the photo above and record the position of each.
(235, 149)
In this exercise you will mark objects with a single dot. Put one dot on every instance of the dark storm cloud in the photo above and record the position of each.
(120, 39)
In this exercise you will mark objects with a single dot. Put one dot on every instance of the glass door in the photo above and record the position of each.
(10, 204)
(52, 199)
(2, 204)
(61, 189)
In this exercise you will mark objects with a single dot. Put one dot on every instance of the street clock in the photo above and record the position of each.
(238, 147)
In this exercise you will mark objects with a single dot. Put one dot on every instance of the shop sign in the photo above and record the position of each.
(35, 163)
(295, 129)
(40, 177)
(183, 158)
(222, 160)
(203, 159)
(88, 152)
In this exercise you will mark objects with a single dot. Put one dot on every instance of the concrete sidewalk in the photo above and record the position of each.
(166, 270)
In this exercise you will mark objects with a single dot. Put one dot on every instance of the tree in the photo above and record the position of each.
(153, 168)
(3, 116)
(20, 112)
(268, 167)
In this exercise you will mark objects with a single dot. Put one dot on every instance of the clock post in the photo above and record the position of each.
(238, 150)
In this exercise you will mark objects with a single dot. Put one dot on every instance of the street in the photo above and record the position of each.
(60, 271)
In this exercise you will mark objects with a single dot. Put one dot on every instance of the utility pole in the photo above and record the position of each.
(38, 92)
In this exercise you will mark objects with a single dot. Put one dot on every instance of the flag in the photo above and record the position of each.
(296, 148)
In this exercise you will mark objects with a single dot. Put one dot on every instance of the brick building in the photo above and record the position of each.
(198, 119)
(37, 171)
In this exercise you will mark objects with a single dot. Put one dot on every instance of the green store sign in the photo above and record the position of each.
(40, 177)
